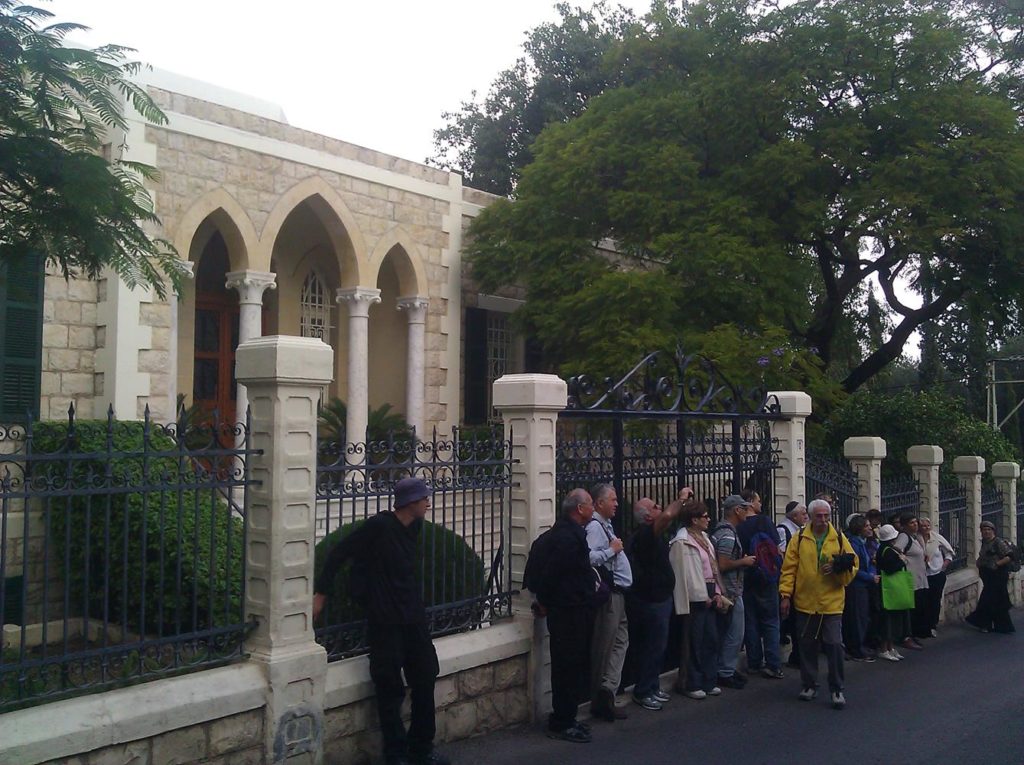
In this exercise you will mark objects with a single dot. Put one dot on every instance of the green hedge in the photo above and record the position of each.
(177, 528)
(456, 572)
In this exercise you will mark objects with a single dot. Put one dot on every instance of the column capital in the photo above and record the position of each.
(250, 284)
(280, 359)
(925, 455)
(1006, 471)
(970, 465)
(530, 391)
(415, 308)
(864, 447)
(359, 299)
(792, 402)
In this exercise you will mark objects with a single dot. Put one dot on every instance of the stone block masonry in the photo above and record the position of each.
(69, 347)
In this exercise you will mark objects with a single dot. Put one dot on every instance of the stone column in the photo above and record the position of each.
(865, 454)
(359, 300)
(1006, 475)
(791, 475)
(416, 310)
(924, 466)
(529, 405)
(284, 376)
(970, 470)
(250, 285)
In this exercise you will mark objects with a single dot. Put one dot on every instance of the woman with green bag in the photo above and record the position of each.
(897, 594)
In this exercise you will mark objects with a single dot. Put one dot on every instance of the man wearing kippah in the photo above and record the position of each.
(382, 550)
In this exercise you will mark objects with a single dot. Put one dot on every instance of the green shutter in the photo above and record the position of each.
(21, 338)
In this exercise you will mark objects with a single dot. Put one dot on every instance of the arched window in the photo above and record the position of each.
(315, 309)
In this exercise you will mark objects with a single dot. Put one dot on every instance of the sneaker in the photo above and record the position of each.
(716, 691)
(731, 681)
(889, 656)
(838, 700)
(661, 696)
(865, 658)
(935, 633)
(912, 644)
(648, 702)
(697, 694)
(772, 674)
(808, 694)
(898, 655)
(573, 734)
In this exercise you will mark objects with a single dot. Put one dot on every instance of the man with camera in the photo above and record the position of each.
(819, 563)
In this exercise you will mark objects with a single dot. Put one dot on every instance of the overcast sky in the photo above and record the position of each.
(378, 74)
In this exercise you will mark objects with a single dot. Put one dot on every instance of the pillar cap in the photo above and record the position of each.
(969, 465)
(530, 391)
(793, 402)
(1006, 470)
(925, 455)
(864, 447)
(287, 359)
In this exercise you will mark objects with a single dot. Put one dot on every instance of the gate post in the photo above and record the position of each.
(1006, 475)
(283, 377)
(970, 470)
(529, 405)
(865, 454)
(924, 466)
(791, 475)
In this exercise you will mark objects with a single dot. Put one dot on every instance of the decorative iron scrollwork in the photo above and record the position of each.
(670, 382)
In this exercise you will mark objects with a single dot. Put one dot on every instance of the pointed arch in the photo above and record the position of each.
(339, 222)
(408, 261)
(218, 209)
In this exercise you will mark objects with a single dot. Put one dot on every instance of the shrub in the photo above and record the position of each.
(141, 527)
(909, 418)
(452, 571)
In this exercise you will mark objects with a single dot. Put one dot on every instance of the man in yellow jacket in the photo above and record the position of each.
(819, 563)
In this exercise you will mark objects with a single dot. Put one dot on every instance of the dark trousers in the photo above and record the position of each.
(396, 649)
(919, 617)
(648, 624)
(789, 628)
(936, 586)
(822, 632)
(993, 610)
(569, 640)
(702, 663)
(856, 616)
(761, 632)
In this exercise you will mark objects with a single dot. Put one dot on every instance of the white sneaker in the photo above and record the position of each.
(898, 655)
(838, 700)
(697, 694)
(716, 691)
(935, 633)
(888, 656)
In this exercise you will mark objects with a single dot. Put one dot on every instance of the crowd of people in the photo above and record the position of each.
(865, 592)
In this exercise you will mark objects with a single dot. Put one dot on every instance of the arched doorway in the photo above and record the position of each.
(216, 334)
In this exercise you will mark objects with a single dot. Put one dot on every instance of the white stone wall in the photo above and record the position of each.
(68, 367)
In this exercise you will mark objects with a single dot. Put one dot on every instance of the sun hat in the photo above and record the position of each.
(886, 533)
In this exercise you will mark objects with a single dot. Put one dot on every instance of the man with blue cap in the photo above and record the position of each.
(383, 578)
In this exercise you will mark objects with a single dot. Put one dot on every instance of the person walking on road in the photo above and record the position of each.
(819, 563)
(993, 610)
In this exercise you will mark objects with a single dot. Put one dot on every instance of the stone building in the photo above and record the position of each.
(285, 232)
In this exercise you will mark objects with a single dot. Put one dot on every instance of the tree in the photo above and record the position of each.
(60, 197)
(769, 164)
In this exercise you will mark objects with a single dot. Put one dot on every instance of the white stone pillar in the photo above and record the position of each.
(865, 454)
(415, 376)
(529, 405)
(284, 376)
(924, 466)
(250, 285)
(791, 475)
(359, 300)
(970, 470)
(1006, 475)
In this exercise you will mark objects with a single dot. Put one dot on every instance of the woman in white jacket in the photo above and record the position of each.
(697, 597)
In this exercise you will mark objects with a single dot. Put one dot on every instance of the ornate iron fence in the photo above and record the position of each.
(900, 495)
(832, 476)
(121, 552)
(992, 508)
(462, 548)
(953, 520)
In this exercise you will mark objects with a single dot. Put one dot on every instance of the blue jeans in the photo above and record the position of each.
(762, 628)
(732, 639)
(648, 624)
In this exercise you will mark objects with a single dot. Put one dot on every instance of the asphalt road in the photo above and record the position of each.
(959, 701)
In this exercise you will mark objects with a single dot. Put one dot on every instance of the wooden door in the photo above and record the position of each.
(216, 337)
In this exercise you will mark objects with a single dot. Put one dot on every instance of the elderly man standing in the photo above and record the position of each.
(819, 563)
(611, 630)
(732, 563)
(649, 602)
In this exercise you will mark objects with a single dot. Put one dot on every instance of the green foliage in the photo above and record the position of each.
(59, 107)
(767, 164)
(381, 425)
(452, 571)
(909, 418)
(140, 527)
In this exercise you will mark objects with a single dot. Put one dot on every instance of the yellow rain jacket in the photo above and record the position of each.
(809, 589)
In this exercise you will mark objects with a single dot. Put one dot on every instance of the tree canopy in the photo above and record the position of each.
(763, 165)
(65, 193)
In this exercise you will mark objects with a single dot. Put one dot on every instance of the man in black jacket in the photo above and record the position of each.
(566, 598)
(383, 579)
